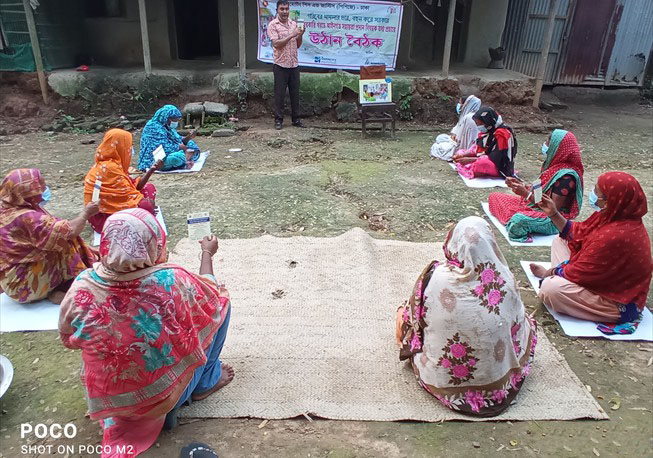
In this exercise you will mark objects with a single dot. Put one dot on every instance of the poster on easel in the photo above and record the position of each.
(374, 91)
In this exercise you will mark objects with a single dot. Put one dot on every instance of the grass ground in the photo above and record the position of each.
(321, 182)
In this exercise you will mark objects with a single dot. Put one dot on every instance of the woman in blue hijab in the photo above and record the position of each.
(162, 130)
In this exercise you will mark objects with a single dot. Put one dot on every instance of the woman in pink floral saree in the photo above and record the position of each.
(150, 332)
(464, 328)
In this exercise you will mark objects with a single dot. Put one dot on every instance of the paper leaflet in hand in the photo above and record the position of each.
(199, 225)
(537, 191)
(96, 191)
(159, 153)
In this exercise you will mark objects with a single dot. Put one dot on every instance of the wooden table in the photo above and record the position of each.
(379, 112)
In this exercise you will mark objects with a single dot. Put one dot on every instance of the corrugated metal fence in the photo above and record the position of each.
(633, 42)
(59, 27)
(600, 43)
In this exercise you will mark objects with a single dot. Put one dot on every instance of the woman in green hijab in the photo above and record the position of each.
(562, 180)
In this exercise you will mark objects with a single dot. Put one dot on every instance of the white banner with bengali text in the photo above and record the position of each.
(346, 34)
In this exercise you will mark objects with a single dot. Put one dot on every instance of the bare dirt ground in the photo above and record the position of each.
(322, 182)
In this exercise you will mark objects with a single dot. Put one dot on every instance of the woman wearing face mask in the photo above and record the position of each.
(40, 255)
(463, 135)
(161, 130)
(496, 148)
(562, 180)
(601, 266)
(118, 191)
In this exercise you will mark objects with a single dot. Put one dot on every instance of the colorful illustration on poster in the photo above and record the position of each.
(374, 91)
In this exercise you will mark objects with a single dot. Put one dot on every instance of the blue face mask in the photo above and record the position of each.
(46, 196)
(482, 129)
(545, 149)
(593, 198)
(174, 124)
(458, 107)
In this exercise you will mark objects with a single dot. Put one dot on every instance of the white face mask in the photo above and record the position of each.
(594, 199)
(174, 124)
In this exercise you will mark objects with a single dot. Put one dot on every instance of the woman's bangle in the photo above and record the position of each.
(206, 251)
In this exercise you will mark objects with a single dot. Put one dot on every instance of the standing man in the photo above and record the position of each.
(286, 37)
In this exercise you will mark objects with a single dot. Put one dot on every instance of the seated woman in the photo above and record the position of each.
(464, 328)
(463, 135)
(496, 148)
(562, 180)
(40, 255)
(150, 332)
(601, 267)
(118, 190)
(161, 130)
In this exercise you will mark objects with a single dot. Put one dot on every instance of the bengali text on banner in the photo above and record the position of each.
(346, 34)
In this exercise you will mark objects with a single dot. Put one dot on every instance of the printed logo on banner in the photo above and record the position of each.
(318, 59)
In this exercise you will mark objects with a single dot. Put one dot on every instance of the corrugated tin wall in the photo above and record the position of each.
(511, 39)
(526, 27)
(58, 24)
(591, 44)
(633, 43)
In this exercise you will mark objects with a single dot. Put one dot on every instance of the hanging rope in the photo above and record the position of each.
(404, 2)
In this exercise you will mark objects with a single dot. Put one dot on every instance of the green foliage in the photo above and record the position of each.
(405, 112)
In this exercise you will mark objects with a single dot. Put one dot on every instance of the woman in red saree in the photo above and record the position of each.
(562, 180)
(601, 267)
(150, 332)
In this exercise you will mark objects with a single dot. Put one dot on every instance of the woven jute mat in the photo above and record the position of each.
(312, 332)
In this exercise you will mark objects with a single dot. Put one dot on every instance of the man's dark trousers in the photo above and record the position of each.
(286, 78)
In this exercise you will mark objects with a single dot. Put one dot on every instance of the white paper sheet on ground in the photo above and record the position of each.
(538, 240)
(159, 217)
(581, 328)
(481, 182)
(197, 166)
(37, 316)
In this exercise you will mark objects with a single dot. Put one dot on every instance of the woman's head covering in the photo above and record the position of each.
(28, 233)
(112, 159)
(132, 240)
(22, 188)
(490, 118)
(470, 106)
(163, 114)
(157, 133)
(563, 158)
(625, 197)
(470, 242)
(611, 250)
(465, 328)
(466, 130)
(115, 147)
(143, 325)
